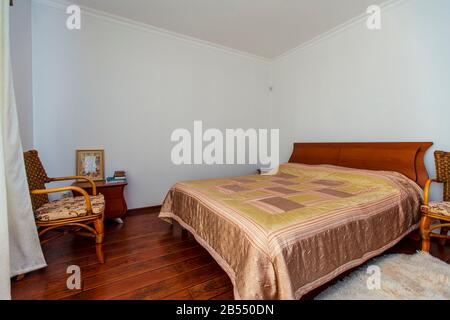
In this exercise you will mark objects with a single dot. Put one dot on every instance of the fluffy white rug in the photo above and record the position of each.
(413, 277)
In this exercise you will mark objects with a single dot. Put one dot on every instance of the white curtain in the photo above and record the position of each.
(20, 251)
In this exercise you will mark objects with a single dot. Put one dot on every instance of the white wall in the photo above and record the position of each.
(361, 85)
(125, 89)
(21, 57)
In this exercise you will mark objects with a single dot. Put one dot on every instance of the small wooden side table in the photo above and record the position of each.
(115, 203)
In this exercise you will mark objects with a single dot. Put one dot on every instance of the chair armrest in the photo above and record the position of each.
(87, 199)
(426, 191)
(94, 187)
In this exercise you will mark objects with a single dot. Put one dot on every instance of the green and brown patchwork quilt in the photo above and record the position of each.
(280, 236)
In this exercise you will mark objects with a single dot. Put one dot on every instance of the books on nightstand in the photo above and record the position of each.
(119, 177)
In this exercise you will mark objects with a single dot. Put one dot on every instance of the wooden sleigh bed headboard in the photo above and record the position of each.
(406, 158)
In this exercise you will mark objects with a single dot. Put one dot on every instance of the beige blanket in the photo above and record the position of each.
(281, 236)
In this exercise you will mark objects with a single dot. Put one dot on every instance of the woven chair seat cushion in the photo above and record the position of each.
(440, 208)
(69, 208)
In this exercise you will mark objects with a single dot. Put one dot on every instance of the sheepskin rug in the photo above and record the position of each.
(401, 277)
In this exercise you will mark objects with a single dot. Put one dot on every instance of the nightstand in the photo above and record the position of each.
(116, 205)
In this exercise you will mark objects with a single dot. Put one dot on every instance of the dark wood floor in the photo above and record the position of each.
(145, 259)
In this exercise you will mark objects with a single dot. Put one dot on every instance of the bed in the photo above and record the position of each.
(331, 208)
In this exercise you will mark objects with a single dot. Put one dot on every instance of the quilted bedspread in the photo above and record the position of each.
(281, 236)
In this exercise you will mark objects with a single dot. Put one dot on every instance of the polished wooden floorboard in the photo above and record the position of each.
(145, 259)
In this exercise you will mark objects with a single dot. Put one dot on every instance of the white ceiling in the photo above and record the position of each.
(266, 28)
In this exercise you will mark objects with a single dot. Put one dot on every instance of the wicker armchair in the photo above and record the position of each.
(437, 210)
(83, 214)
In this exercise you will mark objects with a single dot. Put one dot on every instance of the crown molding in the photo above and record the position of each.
(385, 6)
(62, 5)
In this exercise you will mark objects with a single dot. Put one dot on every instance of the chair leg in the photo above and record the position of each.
(99, 227)
(444, 232)
(425, 233)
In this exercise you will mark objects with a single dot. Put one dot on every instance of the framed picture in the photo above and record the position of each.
(91, 163)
